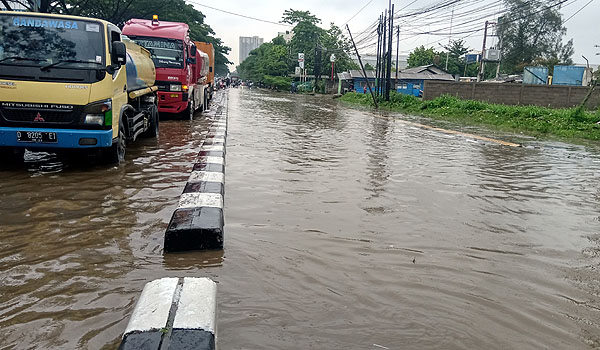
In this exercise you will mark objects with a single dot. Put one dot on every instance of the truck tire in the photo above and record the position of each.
(11, 155)
(116, 153)
(153, 123)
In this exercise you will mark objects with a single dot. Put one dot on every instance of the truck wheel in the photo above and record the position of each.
(153, 123)
(116, 153)
(10, 155)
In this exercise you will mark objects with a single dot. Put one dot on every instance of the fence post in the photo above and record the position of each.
(521, 94)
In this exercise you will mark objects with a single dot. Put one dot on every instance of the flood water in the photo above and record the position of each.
(345, 229)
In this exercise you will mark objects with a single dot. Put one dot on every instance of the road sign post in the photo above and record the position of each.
(301, 63)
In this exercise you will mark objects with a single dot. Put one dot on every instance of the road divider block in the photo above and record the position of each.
(198, 221)
(174, 314)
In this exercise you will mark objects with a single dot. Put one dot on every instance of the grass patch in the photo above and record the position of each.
(571, 123)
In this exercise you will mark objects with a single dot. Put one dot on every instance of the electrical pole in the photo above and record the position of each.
(482, 61)
(383, 56)
(500, 58)
(388, 84)
(378, 62)
(397, 50)
(449, 40)
(362, 67)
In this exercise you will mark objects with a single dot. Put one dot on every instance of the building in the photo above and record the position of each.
(247, 44)
(410, 81)
(287, 35)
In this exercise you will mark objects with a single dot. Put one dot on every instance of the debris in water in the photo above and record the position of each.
(414, 260)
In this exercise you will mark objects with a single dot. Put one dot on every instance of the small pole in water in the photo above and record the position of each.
(362, 67)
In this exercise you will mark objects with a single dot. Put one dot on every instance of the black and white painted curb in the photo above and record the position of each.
(174, 314)
(197, 223)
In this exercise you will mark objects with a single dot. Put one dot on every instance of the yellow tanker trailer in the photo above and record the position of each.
(76, 84)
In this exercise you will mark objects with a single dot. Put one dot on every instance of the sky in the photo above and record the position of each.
(584, 27)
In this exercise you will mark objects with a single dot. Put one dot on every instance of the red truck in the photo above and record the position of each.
(178, 64)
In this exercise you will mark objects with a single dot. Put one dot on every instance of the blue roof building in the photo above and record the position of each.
(410, 81)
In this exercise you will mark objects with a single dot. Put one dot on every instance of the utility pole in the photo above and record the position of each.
(388, 84)
(449, 40)
(383, 56)
(397, 50)
(482, 61)
(362, 67)
(378, 62)
(498, 26)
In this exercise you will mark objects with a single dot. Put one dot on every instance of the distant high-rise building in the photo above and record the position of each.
(247, 44)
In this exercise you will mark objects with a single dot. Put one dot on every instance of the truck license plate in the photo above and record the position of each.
(36, 136)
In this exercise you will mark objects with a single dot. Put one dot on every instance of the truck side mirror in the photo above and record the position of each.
(119, 53)
(193, 51)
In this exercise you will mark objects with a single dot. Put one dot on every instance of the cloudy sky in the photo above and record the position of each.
(584, 27)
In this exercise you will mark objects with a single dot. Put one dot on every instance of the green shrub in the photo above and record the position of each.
(277, 83)
(565, 122)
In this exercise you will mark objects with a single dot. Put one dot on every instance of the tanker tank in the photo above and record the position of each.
(204, 63)
(141, 72)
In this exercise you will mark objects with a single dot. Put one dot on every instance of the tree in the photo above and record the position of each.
(311, 39)
(532, 30)
(278, 58)
(368, 66)
(119, 11)
(457, 65)
(265, 62)
(45, 6)
(457, 48)
(294, 17)
(421, 57)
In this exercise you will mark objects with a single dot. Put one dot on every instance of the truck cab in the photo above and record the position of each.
(63, 85)
(174, 56)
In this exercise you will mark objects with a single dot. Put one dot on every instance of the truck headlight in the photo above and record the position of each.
(94, 119)
(98, 113)
(175, 87)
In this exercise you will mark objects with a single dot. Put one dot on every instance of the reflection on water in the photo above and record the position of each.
(79, 240)
(354, 230)
(344, 229)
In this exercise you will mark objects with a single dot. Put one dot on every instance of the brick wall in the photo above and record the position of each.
(513, 94)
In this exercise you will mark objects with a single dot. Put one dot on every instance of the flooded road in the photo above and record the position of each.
(345, 229)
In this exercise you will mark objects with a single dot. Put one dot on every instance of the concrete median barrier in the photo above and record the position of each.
(174, 314)
(198, 221)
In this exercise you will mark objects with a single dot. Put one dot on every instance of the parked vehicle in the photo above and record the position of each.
(209, 49)
(70, 82)
(175, 58)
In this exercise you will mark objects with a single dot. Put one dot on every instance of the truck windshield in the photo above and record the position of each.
(43, 41)
(166, 53)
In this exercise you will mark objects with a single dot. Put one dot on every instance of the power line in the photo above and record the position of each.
(239, 15)
(359, 11)
(576, 12)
